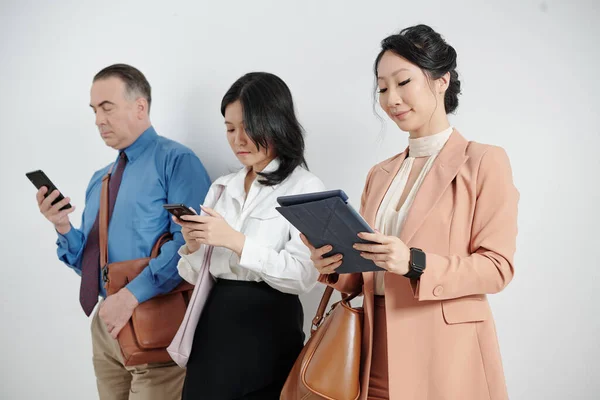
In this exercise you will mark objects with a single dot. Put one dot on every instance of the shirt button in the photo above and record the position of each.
(437, 292)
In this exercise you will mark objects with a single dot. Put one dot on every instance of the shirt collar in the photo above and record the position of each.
(428, 145)
(141, 143)
(235, 185)
(272, 166)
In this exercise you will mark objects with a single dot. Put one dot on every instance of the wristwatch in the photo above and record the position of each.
(416, 264)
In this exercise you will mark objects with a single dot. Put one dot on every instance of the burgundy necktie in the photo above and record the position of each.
(90, 263)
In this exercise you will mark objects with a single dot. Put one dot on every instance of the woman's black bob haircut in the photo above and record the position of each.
(269, 120)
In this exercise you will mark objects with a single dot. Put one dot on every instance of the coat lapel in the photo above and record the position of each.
(380, 182)
(443, 171)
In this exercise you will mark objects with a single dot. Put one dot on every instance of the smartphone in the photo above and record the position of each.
(39, 180)
(178, 209)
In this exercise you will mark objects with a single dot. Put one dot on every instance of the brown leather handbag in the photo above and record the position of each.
(145, 337)
(328, 366)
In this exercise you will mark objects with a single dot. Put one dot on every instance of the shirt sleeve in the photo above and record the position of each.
(187, 183)
(289, 270)
(70, 246)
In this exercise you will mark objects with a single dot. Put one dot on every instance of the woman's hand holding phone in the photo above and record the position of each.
(186, 230)
(210, 229)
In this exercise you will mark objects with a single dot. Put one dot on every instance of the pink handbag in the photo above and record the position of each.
(181, 346)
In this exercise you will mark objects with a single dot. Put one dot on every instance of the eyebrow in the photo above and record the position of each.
(395, 72)
(103, 103)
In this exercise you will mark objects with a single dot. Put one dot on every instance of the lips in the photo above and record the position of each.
(401, 114)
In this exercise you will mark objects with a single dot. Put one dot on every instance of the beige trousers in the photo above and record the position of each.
(142, 382)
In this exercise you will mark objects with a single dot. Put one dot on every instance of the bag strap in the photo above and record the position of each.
(103, 220)
(346, 298)
(321, 309)
(220, 189)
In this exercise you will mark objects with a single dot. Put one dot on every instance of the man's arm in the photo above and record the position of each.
(188, 183)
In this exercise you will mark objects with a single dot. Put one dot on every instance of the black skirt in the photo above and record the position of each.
(247, 340)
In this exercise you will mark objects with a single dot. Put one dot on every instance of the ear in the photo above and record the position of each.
(141, 105)
(443, 82)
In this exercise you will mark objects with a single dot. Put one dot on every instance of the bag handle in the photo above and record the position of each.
(164, 238)
(346, 298)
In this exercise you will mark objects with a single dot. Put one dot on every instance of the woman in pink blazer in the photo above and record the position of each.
(445, 215)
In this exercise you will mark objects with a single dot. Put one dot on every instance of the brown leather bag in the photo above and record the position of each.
(145, 337)
(328, 366)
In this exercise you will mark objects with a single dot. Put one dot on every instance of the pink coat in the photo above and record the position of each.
(442, 340)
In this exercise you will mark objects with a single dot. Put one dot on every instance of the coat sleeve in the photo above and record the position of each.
(489, 267)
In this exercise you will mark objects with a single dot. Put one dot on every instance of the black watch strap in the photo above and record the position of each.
(417, 263)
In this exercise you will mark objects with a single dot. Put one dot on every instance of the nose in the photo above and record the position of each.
(100, 120)
(394, 98)
(241, 137)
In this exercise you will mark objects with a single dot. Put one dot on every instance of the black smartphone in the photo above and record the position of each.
(39, 180)
(178, 209)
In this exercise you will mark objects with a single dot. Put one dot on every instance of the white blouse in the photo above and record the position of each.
(273, 251)
(388, 220)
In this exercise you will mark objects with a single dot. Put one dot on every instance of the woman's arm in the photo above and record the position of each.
(289, 270)
(493, 239)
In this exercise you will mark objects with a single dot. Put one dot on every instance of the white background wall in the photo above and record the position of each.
(530, 81)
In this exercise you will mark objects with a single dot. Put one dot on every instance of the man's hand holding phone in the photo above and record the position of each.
(53, 213)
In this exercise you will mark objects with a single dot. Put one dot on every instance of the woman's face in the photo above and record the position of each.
(243, 147)
(408, 96)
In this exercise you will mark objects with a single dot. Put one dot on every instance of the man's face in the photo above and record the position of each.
(117, 112)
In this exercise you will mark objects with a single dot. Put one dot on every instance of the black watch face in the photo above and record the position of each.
(418, 258)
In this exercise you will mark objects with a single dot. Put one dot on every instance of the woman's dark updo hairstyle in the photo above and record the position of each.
(269, 120)
(426, 48)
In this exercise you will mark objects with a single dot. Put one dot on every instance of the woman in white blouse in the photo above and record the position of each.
(250, 331)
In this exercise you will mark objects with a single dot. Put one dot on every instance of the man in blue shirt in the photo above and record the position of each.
(155, 171)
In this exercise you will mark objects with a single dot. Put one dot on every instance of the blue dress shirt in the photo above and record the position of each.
(159, 171)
